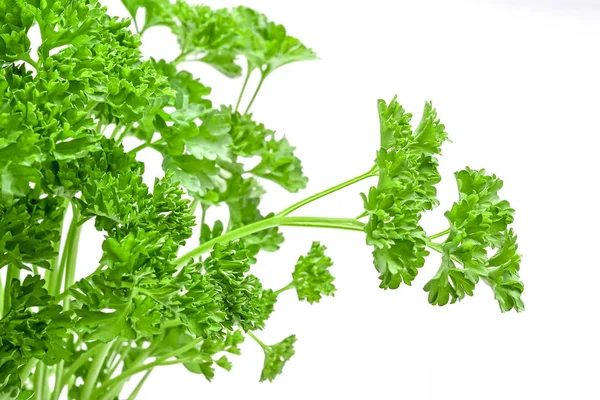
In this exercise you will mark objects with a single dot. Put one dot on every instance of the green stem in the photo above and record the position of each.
(27, 58)
(140, 368)
(287, 287)
(147, 144)
(138, 387)
(310, 199)
(57, 272)
(71, 246)
(437, 235)
(317, 222)
(262, 79)
(1, 298)
(40, 382)
(363, 214)
(135, 25)
(257, 340)
(12, 272)
(246, 79)
(26, 371)
(180, 58)
(194, 205)
(123, 133)
(78, 363)
(94, 371)
(112, 370)
(435, 246)
(116, 389)
(58, 378)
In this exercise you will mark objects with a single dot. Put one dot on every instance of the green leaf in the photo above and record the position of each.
(30, 231)
(157, 12)
(207, 35)
(16, 18)
(34, 327)
(479, 224)
(197, 176)
(280, 165)
(408, 173)
(311, 276)
(276, 356)
(267, 45)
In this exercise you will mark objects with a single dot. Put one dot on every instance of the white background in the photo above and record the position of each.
(518, 90)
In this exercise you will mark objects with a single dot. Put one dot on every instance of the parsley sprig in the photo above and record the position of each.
(66, 109)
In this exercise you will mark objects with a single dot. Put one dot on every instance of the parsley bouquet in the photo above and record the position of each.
(65, 109)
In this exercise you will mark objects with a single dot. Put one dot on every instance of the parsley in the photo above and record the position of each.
(63, 117)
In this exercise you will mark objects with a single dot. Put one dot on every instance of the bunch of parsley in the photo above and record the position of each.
(65, 109)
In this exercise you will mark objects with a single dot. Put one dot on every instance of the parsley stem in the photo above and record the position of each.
(40, 381)
(82, 359)
(92, 375)
(287, 287)
(310, 199)
(70, 252)
(262, 79)
(363, 214)
(138, 387)
(147, 144)
(246, 79)
(257, 340)
(27, 58)
(439, 234)
(164, 360)
(316, 222)
(12, 272)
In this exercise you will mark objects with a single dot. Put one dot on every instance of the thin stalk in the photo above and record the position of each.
(40, 382)
(123, 133)
(135, 25)
(324, 193)
(12, 272)
(58, 381)
(26, 371)
(439, 234)
(1, 297)
(112, 370)
(246, 79)
(138, 387)
(194, 205)
(115, 390)
(27, 58)
(72, 246)
(320, 222)
(95, 368)
(317, 222)
(140, 368)
(57, 273)
(180, 58)
(362, 215)
(82, 359)
(262, 79)
(147, 144)
(257, 340)
(287, 287)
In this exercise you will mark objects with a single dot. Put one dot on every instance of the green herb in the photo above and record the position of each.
(65, 109)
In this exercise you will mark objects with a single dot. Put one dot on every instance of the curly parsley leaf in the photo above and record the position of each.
(276, 356)
(311, 276)
(34, 327)
(207, 35)
(479, 223)
(266, 45)
(29, 231)
(408, 173)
